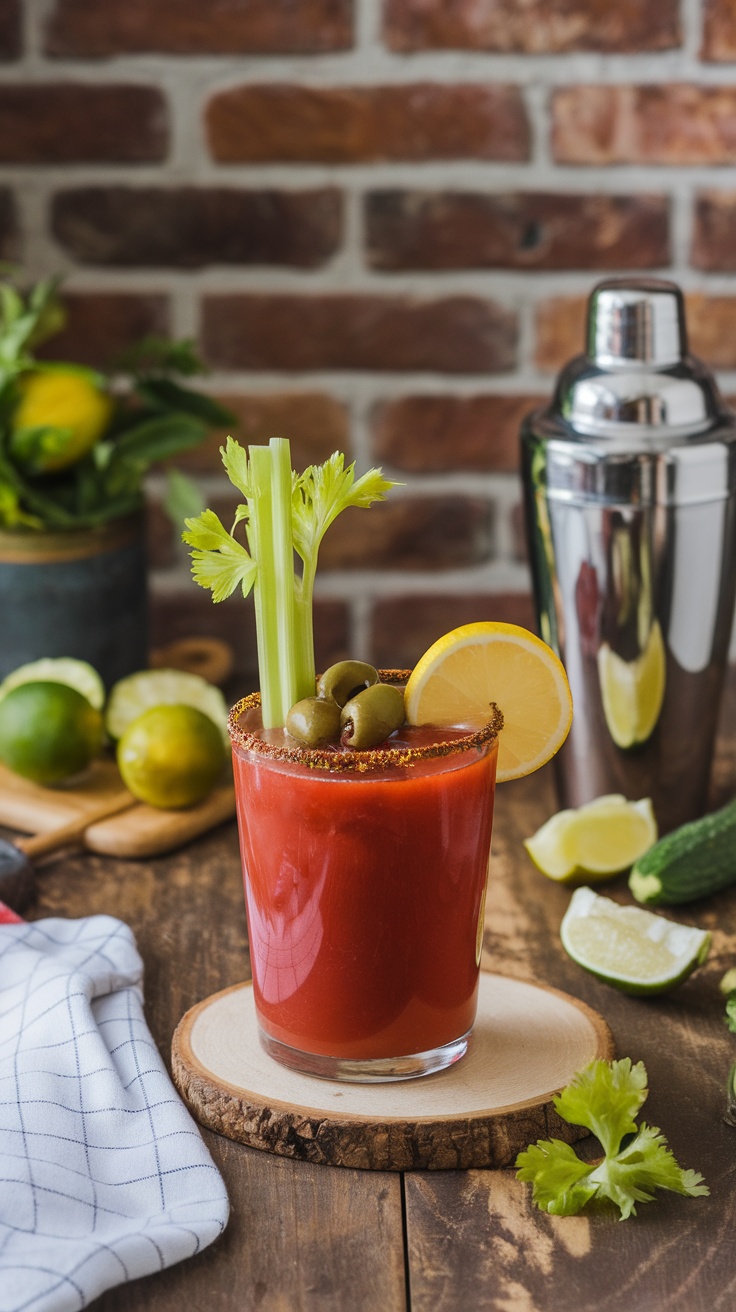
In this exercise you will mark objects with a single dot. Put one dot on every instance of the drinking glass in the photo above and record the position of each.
(365, 877)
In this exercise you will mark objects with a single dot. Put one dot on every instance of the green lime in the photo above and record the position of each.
(140, 692)
(595, 841)
(171, 756)
(635, 950)
(59, 669)
(48, 731)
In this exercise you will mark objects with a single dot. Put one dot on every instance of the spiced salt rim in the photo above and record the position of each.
(379, 758)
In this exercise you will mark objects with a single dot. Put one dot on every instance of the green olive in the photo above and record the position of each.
(368, 719)
(345, 680)
(314, 721)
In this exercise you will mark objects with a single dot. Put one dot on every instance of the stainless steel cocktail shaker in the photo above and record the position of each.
(630, 496)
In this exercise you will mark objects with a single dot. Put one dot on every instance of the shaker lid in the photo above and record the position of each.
(636, 323)
(637, 381)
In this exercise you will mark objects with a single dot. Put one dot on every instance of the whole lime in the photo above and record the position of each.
(48, 731)
(171, 756)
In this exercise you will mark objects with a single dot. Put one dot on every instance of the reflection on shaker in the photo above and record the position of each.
(632, 692)
(630, 497)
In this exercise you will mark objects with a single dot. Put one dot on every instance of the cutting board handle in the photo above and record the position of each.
(52, 841)
(209, 657)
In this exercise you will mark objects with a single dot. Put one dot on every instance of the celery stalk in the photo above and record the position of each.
(284, 514)
(260, 542)
(292, 686)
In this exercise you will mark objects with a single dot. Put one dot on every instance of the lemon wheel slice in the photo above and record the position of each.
(456, 681)
(76, 674)
(141, 692)
(635, 950)
(595, 841)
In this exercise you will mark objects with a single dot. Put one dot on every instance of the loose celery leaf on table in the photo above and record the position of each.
(605, 1097)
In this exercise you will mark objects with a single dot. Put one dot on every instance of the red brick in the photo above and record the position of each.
(420, 534)
(315, 424)
(10, 29)
(101, 325)
(719, 31)
(523, 230)
(347, 125)
(8, 225)
(72, 122)
(405, 627)
(560, 331)
(713, 246)
(531, 28)
(455, 334)
(518, 529)
(190, 612)
(711, 323)
(675, 123)
(188, 227)
(96, 28)
(436, 433)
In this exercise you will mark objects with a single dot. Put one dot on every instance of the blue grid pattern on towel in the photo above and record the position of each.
(104, 1176)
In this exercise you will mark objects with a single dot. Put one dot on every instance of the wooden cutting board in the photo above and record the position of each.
(138, 831)
(528, 1041)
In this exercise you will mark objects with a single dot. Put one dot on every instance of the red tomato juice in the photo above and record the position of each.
(364, 896)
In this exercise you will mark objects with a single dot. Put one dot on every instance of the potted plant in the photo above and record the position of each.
(75, 446)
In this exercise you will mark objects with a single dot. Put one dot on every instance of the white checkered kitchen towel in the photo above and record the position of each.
(104, 1176)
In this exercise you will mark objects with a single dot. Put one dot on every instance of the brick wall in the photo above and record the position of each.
(380, 219)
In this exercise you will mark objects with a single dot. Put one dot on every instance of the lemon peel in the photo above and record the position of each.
(469, 669)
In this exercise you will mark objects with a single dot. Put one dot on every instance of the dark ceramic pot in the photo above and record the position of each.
(81, 593)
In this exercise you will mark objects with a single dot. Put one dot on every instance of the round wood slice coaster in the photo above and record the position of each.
(528, 1041)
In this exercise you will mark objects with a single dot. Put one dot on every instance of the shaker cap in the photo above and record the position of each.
(640, 322)
(636, 383)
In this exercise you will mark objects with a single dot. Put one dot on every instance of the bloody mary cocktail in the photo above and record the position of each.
(365, 877)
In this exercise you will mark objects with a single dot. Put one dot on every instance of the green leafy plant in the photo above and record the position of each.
(605, 1097)
(76, 443)
(284, 513)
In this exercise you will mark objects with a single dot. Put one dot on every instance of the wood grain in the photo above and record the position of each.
(307, 1238)
(136, 831)
(527, 1043)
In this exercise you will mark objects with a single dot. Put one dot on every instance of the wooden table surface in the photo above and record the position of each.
(303, 1238)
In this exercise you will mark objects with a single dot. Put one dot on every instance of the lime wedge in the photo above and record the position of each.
(59, 669)
(635, 950)
(594, 842)
(140, 692)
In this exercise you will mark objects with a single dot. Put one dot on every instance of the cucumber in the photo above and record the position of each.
(693, 861)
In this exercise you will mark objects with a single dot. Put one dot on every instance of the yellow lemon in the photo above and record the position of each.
(59, 418)
(633, 691)
(455, 682)
(171, 756)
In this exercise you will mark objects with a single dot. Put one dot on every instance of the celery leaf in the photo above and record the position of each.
(237, 466)
(605, 1097)
(322, 492)
(219, 562)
